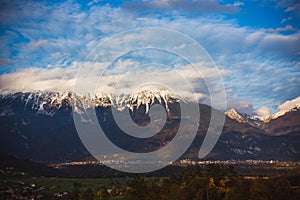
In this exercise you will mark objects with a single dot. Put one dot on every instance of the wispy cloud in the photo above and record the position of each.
(39, 43)
(294, 7)
(93, 2)
(286, 20)
(183, 5)
(263, 111)
(280, 29)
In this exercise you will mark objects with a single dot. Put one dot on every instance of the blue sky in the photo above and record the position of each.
(256, 42)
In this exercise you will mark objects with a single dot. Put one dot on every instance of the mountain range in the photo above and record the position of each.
(39, 126)
(280, 123)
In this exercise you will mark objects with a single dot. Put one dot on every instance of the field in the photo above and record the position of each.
(215, 181)
(59, 187)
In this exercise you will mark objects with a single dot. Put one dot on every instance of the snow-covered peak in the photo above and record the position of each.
(41, 100)
(282, 112)
(257, 120)
(233, 114)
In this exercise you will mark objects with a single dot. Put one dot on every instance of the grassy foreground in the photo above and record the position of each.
(216, 182)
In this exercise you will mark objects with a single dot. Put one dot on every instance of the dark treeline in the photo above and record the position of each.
(212, 182)
(217, 182)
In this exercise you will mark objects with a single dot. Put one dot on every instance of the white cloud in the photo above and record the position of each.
(38, 79)
(289, 104)
(263, 112)
(124, 79)
(259, 64)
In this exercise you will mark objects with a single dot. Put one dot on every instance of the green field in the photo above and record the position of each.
(63, 184)
(50, 186)
(219, 182)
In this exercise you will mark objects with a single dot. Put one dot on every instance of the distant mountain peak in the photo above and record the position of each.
(270, 124)
(233, 114)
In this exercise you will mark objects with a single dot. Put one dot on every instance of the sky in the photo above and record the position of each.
(255, 44)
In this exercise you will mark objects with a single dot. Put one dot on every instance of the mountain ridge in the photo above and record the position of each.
(262, 123)
(44, 131)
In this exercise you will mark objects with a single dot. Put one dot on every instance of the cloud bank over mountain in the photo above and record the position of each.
(259, 51)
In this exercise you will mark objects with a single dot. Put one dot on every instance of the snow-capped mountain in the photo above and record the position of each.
(246, 118)
(268, 124)
(48, 102)
(282, 113)
(40, 126)
(233, 114)
(252, 120)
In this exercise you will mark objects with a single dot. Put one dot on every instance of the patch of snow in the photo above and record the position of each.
(238, 151)
(257, 149)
